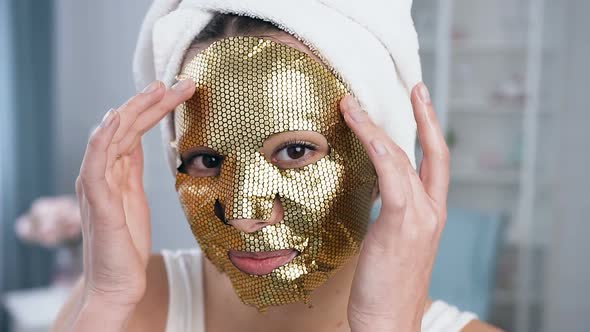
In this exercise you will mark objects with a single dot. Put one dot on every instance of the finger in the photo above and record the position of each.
(135, 202)
(390, 162)
(92, 171)
(394, 186)
(179, 93)
(135, 170)
(435, 167)
(138, 104)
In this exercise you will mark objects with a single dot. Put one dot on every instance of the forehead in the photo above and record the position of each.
(250, 88)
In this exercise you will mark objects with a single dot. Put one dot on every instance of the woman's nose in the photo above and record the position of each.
(253, 225)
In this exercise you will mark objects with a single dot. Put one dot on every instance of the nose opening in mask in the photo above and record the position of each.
(220, 212)
(264, 211)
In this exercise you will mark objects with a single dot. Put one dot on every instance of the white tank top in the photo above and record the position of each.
(186, 308)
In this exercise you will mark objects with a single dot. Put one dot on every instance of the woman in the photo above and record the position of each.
(275, 240)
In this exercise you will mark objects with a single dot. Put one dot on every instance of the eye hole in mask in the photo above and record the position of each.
(287, 150)
(295, 149)
(201, 162)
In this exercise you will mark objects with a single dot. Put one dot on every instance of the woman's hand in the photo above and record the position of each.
(390, 286)
(114, 208)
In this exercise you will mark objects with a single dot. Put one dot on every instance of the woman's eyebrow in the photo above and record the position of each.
(190, 152)
(289, 134)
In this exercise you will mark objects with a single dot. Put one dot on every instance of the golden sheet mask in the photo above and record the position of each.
(248, 89)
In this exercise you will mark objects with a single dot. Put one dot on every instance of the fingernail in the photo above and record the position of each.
(351, 103)
(151, 87)
(354, 110)
(183, 85)
(108, 118)
(378, 147)
(423, 93)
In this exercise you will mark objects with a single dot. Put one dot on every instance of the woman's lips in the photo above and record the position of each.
(260, 263)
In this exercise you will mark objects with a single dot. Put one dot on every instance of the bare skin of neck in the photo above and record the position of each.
(327, 310)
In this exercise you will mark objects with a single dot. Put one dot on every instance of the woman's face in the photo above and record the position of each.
(276, 188)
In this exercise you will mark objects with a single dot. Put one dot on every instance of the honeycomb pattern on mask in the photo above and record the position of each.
(247, 90)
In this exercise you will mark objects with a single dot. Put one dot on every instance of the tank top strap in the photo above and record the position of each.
(442, 317)
(186, 309)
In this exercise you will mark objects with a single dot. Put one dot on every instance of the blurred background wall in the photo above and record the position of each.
(509, 82)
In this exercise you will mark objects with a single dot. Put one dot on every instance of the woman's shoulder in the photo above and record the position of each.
(479, 326)
(183, 268)
(179, 255)
(441, 316)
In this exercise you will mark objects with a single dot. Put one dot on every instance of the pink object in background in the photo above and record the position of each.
(55, 222)
(50, 222)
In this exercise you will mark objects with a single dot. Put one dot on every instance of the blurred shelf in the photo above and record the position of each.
(481, 103)
(473, 107)
(483, 109)
(480, 43)
(483, 177)
(486, 112)
(488, 46)
(470, 46)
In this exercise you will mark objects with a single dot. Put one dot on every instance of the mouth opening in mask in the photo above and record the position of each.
(261, 263)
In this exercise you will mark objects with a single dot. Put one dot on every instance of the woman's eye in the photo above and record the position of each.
(207, 161)
(294, 153)
(202, 165)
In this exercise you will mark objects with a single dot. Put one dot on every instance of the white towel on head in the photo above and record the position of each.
(372, 44)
